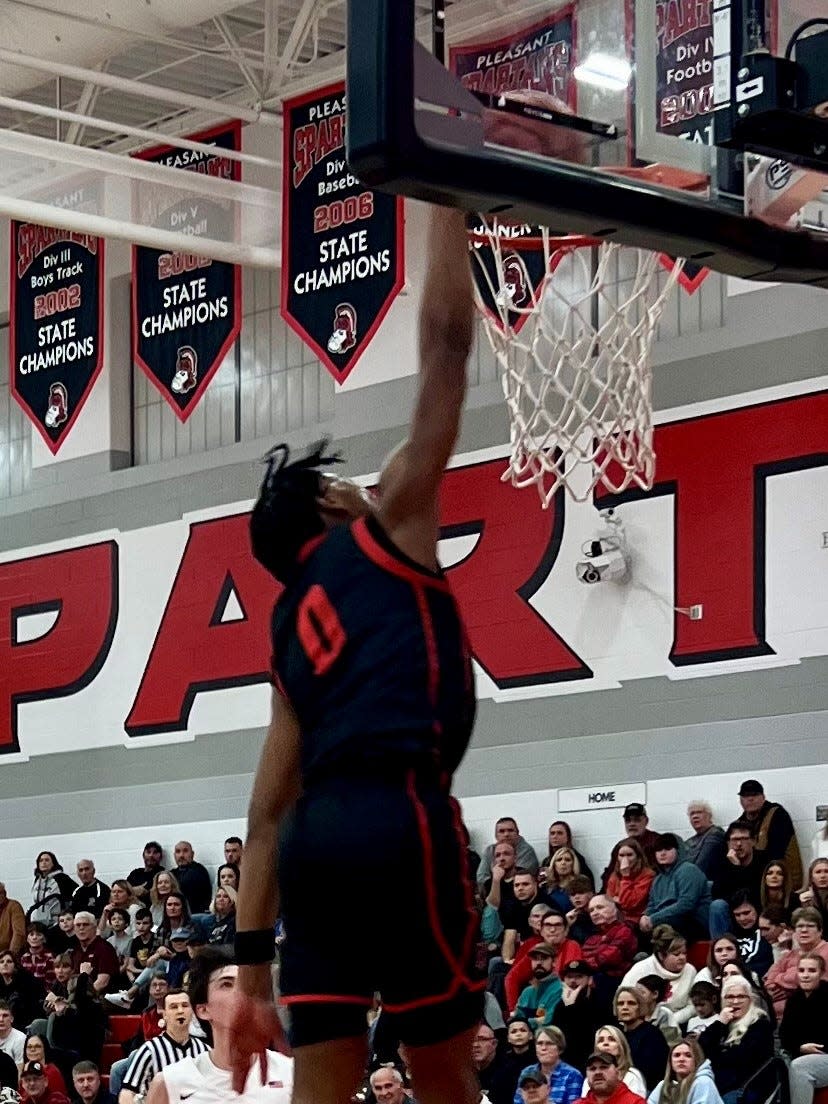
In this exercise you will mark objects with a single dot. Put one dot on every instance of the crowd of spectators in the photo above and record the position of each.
(592, 993)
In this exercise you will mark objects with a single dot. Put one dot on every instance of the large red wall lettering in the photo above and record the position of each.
(81, 586)
(193, 649)
(716, 466)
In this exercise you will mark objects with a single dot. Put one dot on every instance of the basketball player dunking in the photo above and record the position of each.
(372, 713)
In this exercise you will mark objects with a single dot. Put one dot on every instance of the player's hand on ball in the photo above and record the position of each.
(534, 135)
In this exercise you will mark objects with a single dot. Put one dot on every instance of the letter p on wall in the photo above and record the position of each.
(79, 585)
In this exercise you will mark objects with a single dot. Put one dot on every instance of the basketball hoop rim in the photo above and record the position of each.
(557, 243)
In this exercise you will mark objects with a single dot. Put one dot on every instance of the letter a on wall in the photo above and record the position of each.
(186, 308)
(342, 244)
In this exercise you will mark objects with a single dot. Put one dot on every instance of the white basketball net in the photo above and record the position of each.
(575, 361)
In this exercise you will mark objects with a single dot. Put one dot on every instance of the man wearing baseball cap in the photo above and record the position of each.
(636, 825)
(580, 1011)
(537, 1001)
(772, 826)
(35, 1087)
(534, 1088)
(605, 1084)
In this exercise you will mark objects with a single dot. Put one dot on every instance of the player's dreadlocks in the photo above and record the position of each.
(286, 515)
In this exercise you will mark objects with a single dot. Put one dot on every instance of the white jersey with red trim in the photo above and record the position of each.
(200, 1081)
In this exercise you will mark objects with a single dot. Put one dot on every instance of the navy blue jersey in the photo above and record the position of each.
(370, 650)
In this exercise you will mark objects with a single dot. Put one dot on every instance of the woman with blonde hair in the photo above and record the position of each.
(611, 1040)
(815, 892)
(668, 961)
(739, 1043)
(163, 884)
(563, 867)
(121, 896)
(688, 1078)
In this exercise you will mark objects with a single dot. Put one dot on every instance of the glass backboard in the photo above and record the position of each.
(632, 109)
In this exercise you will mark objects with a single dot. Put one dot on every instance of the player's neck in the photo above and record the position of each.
(220, 1053)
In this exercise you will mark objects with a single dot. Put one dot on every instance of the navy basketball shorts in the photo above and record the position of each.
(375, 898)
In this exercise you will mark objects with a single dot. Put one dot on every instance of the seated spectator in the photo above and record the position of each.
(120, 940)
(773, 924)
(20, 990)
(637, 827)
(610, 952)
(741, 869)
(706, 847)
(223, 909)
(648, 1046)
(581, 892)
(519, 1053)
(515, 908)
(92, 894)
(142, 877)
(782, 978)
(172, 958)
(163, 884)
(88, 1086)
(629, 880)
(51, 890)
(93, 955)
(62, 938)
(75, 1020)
(760, 996)
(656, 1011)
(563, 1081)
(563, 868)
(689, 1077)
(176, 915)
(34, 1088)
(722, 950)
(121, 896)
(679, 896)
(605, 1084)
(776, 889)
(815, 893)
(772, 827)
(142, 945)
(12, 1041)
(754, 951)
(537, 1001)
(668, 961)
(234, 851)
(580, 1012)
(507, 986)
(506, 831)
(739, 1043)
(803, 1032)
(228, 874)
(560, 835)
(612, 1040)
(12, 924)
(38, 959)
(499, 889)
(704, 996)
(36, 1049)
(553, 931)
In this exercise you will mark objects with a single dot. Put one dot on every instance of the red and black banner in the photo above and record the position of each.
(56, 324)
(539, 57)
(186, 308)
(343, 249)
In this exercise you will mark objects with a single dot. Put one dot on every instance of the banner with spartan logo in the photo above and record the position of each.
(539, 57)
(56, 325)
(187, 308)
(343, 245)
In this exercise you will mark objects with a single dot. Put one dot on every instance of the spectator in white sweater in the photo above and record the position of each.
(668, 960)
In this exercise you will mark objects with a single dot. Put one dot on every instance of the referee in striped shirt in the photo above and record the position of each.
(158, 1053)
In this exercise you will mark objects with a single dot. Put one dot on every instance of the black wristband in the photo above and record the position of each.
(255, 947)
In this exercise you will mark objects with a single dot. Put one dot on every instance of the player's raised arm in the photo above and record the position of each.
(409, 484)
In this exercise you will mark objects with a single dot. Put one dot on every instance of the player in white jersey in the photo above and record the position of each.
(207, 1078)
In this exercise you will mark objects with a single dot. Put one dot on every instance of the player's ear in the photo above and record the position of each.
(201, 1012)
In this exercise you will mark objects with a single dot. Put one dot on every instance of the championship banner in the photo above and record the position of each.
(56, 325)
(186, 308)
(343, 246)
(539, 57)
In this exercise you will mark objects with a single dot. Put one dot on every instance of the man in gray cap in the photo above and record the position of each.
(534, 1088)
(772, 826)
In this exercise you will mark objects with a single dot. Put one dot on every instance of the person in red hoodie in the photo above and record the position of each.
(610, 952)
(605, 1084)
(552, 931)
(629, 880)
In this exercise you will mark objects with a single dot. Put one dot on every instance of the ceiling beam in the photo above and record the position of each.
(234, 47)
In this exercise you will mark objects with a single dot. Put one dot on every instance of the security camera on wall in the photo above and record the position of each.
(605, 556)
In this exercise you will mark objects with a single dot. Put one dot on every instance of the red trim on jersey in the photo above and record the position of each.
(431, 650)
(309, 547)
(382, 558)
(452, 991)
(326, 998)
